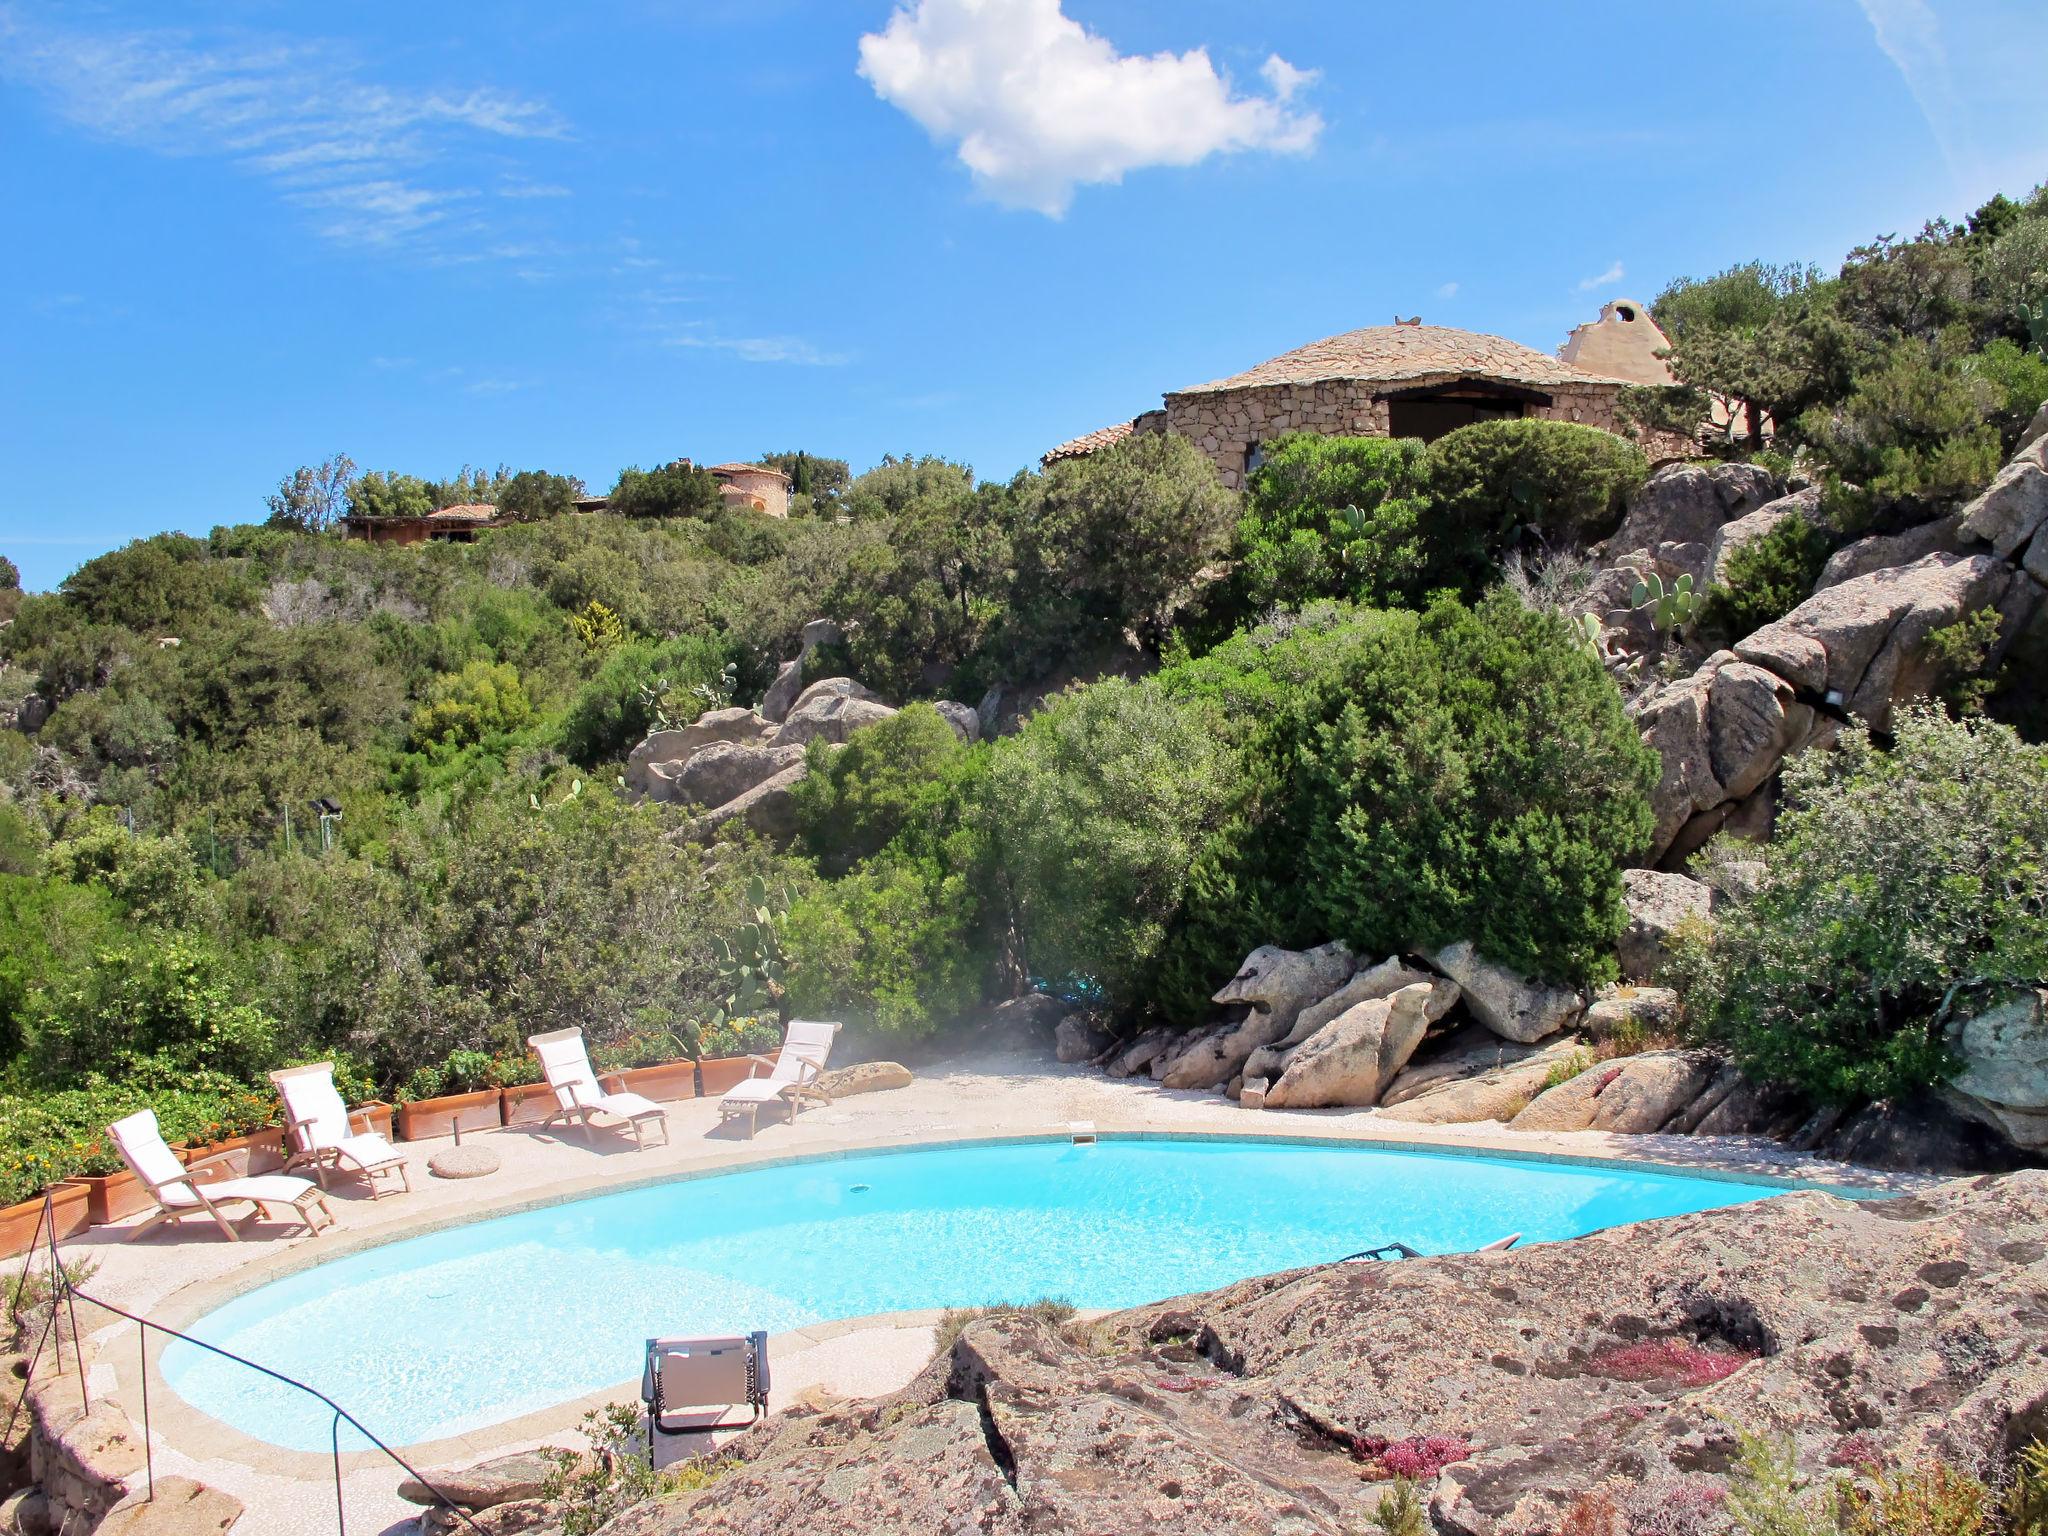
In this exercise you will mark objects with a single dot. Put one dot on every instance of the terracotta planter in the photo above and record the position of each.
(666, 1083)
(113, 1197)
(379, 1114)
(527, 1103)
(18, 1222)
(721, 1072)
(241, 1156)
(425, 1118)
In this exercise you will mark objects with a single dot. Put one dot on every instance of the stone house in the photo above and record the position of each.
(455, 525)
(753, 486)
(1400, 380)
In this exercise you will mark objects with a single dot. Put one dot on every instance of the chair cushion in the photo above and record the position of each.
(630, 1106)
(371, 1151)
(755, 1090)
(283, 1188)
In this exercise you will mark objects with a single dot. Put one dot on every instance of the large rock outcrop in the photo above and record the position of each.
(832, 710)
(1658, 905)
(653, 765)
(1863, 644)
(1632, 1358)
(1275, 984)
(1943, 536)
(1672, 520)
(1375, 981)
(1511, 1006)
(1472, 1075)
(1351, 1059)
(2004, 1081)
(1721, 734)
(1636, 1096)
(1739, 533)
(724, 770)
(2014, 508)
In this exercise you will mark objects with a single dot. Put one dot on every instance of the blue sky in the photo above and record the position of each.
(246, 234)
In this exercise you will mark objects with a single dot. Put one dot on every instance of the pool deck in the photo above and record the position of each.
(177, 1276)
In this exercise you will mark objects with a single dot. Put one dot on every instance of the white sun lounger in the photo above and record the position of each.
(322, 1131)
(681, 1375)
(567, 1065)
(792, 1076)
(181, 1191)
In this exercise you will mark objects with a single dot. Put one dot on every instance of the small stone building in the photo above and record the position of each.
(455, 525)
(754, 486)
(1402, 380)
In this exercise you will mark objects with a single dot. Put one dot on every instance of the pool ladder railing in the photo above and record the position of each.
(62, 1287)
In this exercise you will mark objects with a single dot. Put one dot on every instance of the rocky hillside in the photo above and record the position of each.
(1858, 646)
(1511, 1384)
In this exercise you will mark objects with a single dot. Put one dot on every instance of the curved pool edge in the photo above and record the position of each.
(193, 1431)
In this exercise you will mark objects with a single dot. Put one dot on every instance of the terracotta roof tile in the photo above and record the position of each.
(468, 512)
(1391, 353)
(1088, 442)
(746, 469)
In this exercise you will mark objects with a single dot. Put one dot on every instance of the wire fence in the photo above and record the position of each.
(63, 1290)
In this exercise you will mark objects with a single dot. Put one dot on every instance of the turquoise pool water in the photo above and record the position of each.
(444, 1333)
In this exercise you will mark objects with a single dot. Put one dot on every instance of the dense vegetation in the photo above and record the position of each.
(1343, 727)
(1905, 891)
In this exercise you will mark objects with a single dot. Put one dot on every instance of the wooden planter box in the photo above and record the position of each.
(18, 1222)
(527, 1103)
(245, 1156)
(111, 1197)
(425, 1118)
(666, 1083)
(721, 1072)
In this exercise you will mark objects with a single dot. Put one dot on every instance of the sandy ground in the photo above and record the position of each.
(176, 1276)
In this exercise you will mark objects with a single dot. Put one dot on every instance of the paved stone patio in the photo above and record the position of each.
(176, 1276)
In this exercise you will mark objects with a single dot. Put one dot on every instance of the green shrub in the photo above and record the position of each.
(383, 493)
(2018, 377)
(858, 798)
(1335, 517)
(1101, 807)
(1569, 483)
(899, 943)
(1388, 778)
(673, 490)
(147, 1009)
(484, 699)
(51, 1136)
(1903, 892)
(1766, 579)
(1108, 544)
(633, 685)
(1912, 434)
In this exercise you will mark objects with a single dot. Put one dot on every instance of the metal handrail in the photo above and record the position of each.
(46, 1225)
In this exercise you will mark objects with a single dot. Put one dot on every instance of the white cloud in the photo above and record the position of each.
(1613, 274)
(366, 158)
(761, 349)
(1038, 105)
(1447, 291)
(1910, 35)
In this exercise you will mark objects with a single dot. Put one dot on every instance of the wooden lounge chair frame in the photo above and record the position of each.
(803, 1082)
(582, 1094)
(340, 1157)
(265, 1193)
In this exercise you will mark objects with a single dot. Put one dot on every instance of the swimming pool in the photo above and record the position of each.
(447, 1332)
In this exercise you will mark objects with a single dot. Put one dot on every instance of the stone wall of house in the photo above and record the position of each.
(769, 489)
(1225, 424)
